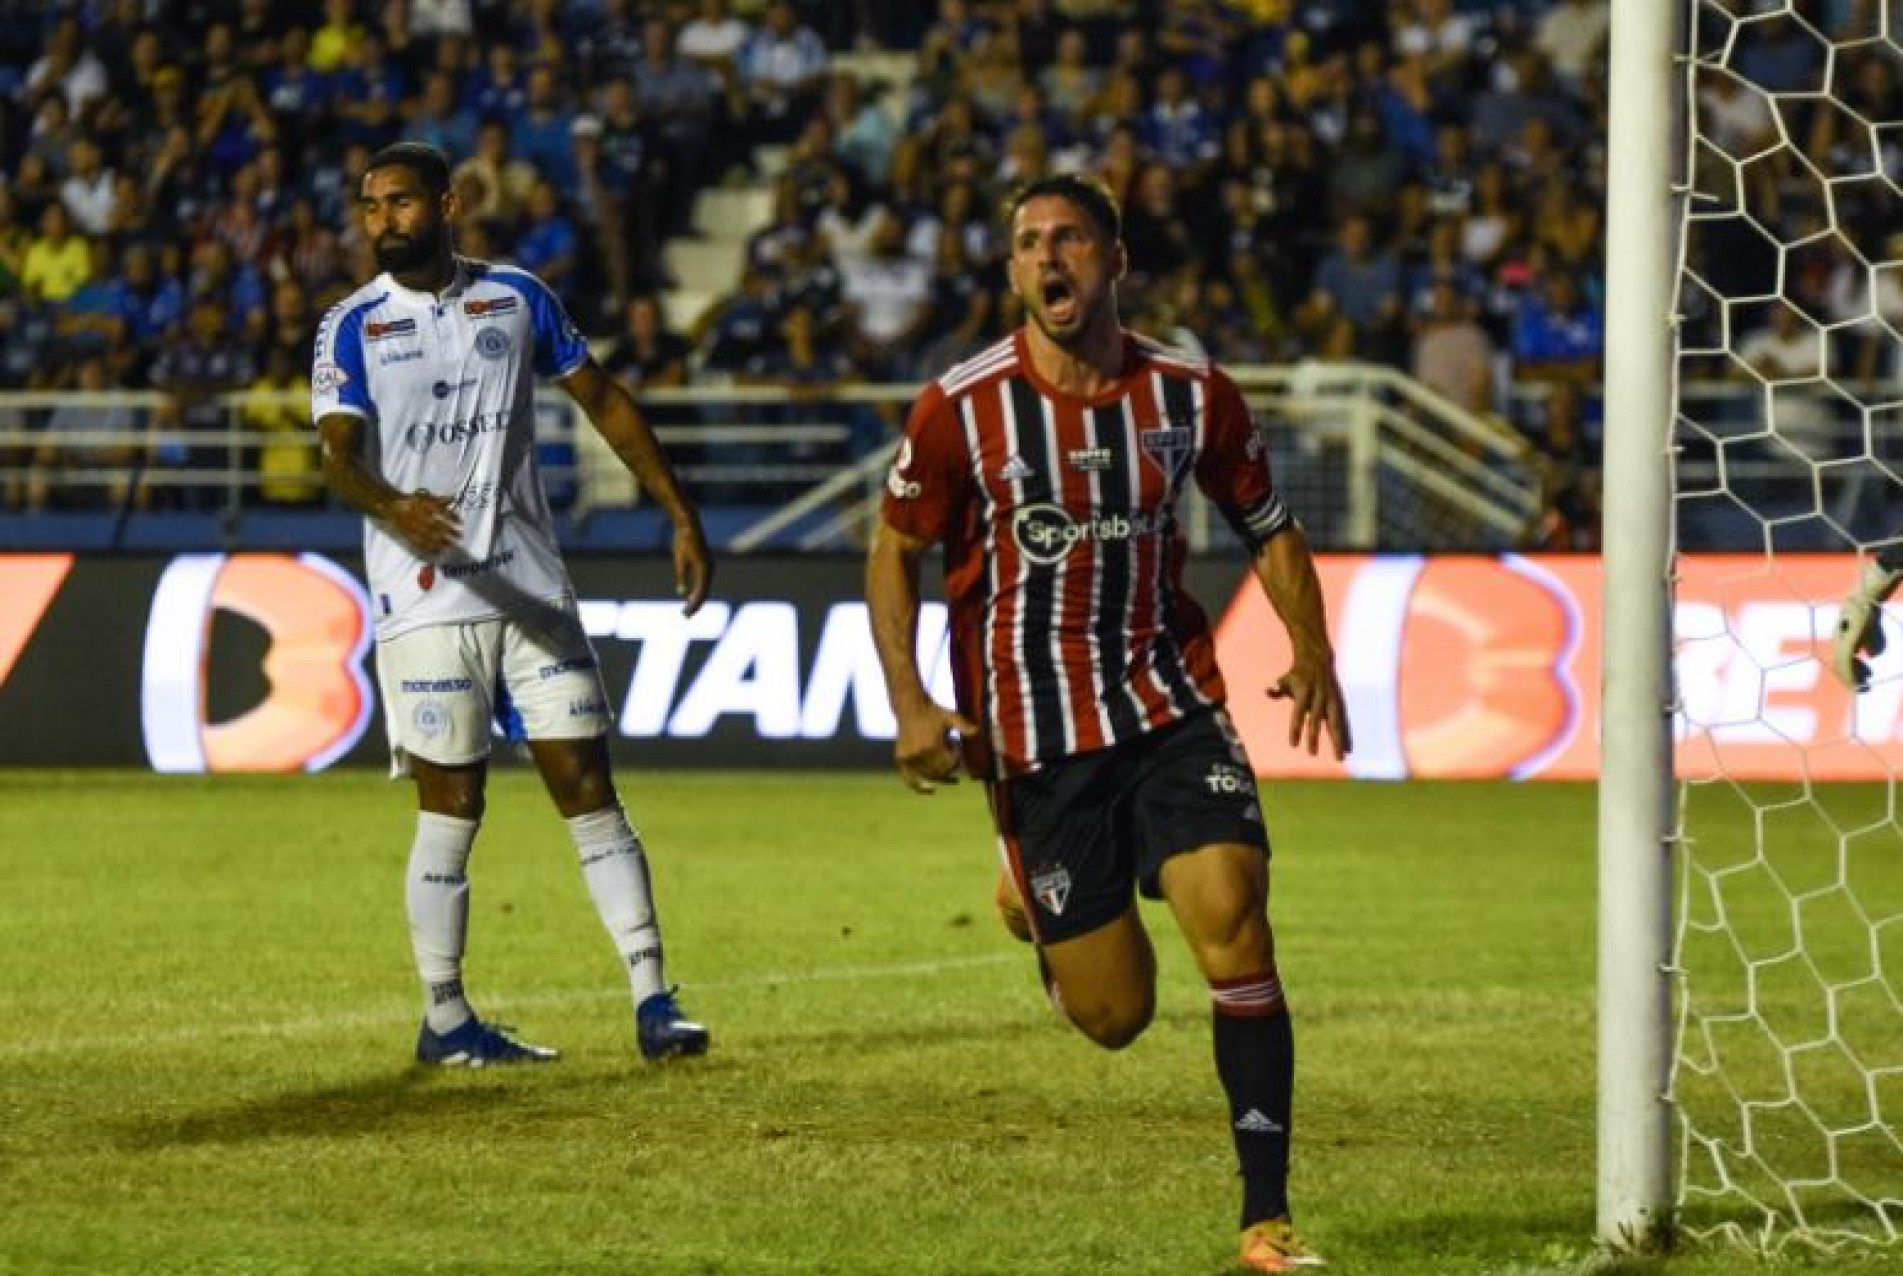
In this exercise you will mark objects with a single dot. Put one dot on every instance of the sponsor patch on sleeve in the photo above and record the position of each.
(902, 488)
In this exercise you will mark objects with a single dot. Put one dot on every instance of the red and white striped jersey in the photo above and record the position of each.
(1063, 558)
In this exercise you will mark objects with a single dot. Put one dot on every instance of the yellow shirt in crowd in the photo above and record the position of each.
(55, 270)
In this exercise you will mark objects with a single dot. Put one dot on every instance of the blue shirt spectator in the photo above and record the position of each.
(148, 303)
(1363, 282)
(747, 322)
(782, 65)
(370, 91)
(439, 120)
(1406, 107)
(237, 123)
(677, 91)
(1780, 57)
(495, 89)
(540, 132)
(1176, 127)
(234, 283)
(548, 245)
(611, 46)
(89, 318)
(296, 95)
(1559, 335)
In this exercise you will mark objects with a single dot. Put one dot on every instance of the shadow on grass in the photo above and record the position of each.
(1030, 1023)
(399, 1101)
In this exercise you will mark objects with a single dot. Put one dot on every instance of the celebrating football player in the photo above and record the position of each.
(1049, 467)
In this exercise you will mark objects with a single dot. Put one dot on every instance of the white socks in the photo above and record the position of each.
(616, 869)
(437, 896)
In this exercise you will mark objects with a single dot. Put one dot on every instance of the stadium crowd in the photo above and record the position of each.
(1415, 182)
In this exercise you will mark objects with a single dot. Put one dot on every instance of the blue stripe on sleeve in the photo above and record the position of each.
(340, 345)
(559, 346)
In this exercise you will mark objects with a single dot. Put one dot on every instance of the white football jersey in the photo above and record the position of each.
(447, 384)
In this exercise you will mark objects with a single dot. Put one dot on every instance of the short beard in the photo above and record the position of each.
(1065, 336)
(419, 251)
(1057, 336)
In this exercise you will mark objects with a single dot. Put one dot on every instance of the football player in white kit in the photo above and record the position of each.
(422, 388)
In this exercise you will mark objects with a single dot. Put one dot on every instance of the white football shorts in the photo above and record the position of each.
(447, 688)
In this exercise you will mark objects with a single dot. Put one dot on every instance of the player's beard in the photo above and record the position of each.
(1070, 332)
(402, 254)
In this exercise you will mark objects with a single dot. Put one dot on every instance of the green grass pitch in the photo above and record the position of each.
(206, 1013)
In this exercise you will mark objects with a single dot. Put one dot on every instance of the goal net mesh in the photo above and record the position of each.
(1788, 1076)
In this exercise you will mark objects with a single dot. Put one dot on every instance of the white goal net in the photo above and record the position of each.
(1788, 1076)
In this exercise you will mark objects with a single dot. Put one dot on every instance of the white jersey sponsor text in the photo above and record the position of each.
(446, 383)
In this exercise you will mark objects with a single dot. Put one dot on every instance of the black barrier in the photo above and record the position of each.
(263, 661)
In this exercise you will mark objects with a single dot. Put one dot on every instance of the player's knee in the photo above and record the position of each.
(587, 790)
(578, 777)
(1120, 1030)
(456, 791)
(464, 801)
(461, 806)
(1114, 1024)
(1243, 928)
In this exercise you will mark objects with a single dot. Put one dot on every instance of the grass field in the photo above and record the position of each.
(206, 1012)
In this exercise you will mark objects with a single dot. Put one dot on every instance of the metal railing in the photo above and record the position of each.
(1372, 459)
(1369, 458)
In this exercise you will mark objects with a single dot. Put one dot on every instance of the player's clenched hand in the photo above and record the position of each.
(1315, 705)
(424, 521)
(693, 566)
(926, 752)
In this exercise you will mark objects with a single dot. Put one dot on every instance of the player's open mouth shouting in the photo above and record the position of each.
(1060, 299)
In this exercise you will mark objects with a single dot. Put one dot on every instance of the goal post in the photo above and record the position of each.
(1750, 910)
(1636, 786)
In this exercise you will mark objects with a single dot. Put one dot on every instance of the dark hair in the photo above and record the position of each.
(1092, 197)
(428, 163)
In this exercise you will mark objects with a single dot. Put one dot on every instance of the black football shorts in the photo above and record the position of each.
(1081, 834)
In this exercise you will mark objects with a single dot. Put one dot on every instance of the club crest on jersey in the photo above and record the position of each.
(1167, 446)
(393, 328)
(489, 306)
(430, 718)
(492, 343)
(1090, 459)
(1051, 888)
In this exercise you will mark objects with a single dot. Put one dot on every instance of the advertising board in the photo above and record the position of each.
(1455, 667)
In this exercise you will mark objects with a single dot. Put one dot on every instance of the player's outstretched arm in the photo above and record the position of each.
(1860, 622)
(925, 752)
(612, 412)
(1286, 570)
(423, 521)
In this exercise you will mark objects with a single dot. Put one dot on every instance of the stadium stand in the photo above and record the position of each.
(790, 195)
